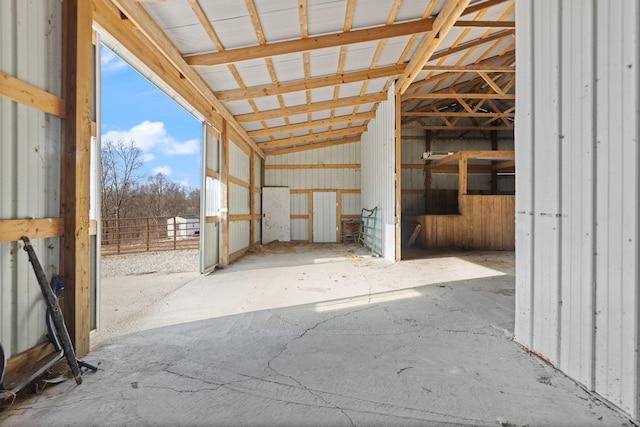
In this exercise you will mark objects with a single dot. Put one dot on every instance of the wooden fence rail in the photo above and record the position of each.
(149, 234)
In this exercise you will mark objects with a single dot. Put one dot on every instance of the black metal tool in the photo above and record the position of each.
(54, 309)
(56, 287)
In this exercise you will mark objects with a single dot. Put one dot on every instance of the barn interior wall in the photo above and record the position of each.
(378, 174)
(30, 147)
(239, 199)
(335, 169)
(442, 195)
(577, 204)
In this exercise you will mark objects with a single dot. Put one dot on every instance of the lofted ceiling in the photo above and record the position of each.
(303, 74)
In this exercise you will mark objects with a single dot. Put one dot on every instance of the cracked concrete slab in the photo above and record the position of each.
(422, 342)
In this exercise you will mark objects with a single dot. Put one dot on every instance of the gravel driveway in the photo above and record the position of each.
(150, 262)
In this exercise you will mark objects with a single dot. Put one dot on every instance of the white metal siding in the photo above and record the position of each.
(378, 166)
(316, 179)
(577, 199)
(238, 235)
(238, 163)
(350, 204)
(324, 216)
(239, 198)
(30, 50)
(313, 179)
(299, 229)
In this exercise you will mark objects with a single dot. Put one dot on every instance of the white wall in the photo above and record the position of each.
(30, 44)
(297, 176)
(239, 198)
(378, 167)
(577, 191)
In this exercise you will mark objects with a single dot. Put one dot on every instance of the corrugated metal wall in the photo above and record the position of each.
(309, 179)
(239, 198)
(30, 50)
(577, 198)
(303, 181)
(257, 196)
(378, 167)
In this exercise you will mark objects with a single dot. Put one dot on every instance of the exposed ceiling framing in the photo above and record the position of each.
(292, 75)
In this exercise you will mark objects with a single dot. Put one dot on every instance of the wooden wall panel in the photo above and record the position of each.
(485, 223)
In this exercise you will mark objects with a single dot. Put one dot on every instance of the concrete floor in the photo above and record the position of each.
(318, 335)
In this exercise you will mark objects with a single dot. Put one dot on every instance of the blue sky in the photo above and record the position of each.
(135, 109)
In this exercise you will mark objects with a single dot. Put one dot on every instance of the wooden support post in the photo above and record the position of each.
(398, 176)
(338, 214)
(77, 53)
(427, 177)
(310, 213)
(252, 197)
(494, 172)
(462, 180)
(224, 194)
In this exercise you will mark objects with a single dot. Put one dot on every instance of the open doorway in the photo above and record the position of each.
(151, 153)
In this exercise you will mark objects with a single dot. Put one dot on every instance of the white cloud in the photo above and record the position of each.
(185, 183)
(191, 146)
(148, 157)
(149, 136)
(165, 170)
(110, 62)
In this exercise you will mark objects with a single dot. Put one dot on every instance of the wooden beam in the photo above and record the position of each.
(315, 146)
(509, 164)
(269, 50)
(447, 16)
(224, 194)
(12, 230)
(24, 93)
(455, 95)
(453, 114)
(473, 154)
(397, 178)
(238, 182)
(485, 24)
(471, 68)
(314, 83)
(468, 45)
(280, 130)
(482, 6)
(490, 82)
(457, 127)
(314, 137)
(252, 198)
(77, 75)
(316, 166)
(318, 106)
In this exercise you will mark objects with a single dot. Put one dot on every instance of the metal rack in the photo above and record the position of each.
(367, 231)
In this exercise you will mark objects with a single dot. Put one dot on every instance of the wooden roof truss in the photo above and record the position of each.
(292, 75)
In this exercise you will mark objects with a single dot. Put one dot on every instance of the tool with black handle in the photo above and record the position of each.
(54, 309)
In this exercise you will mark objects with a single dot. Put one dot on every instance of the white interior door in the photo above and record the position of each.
(210, 200)
(276, 214)
(324, 217)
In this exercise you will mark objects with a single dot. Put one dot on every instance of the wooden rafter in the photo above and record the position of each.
(468, 45)
(314, 83)
(311, 108)
(313, 146)
(442, 24)
(314, 137)
(309, 44)
(313, 124)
